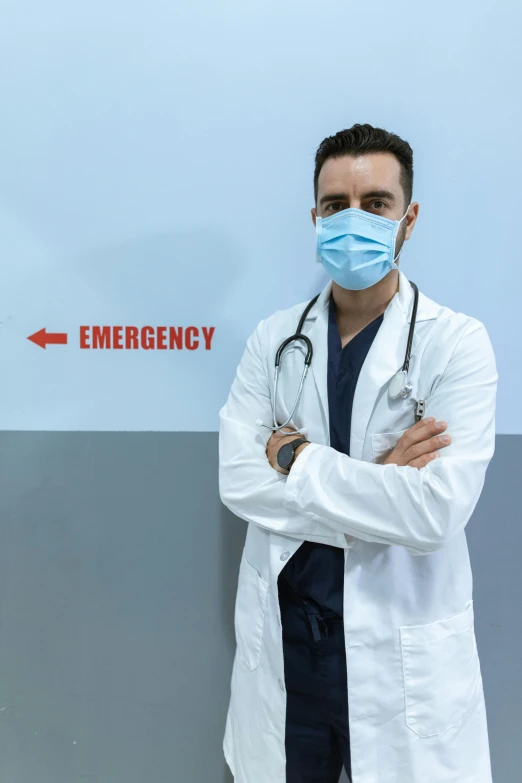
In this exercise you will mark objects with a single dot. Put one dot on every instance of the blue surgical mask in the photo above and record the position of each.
(356, 247)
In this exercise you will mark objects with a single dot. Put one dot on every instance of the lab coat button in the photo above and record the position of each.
(285, 555)
(281, 684)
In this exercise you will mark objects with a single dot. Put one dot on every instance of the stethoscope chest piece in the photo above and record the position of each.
(400, 387)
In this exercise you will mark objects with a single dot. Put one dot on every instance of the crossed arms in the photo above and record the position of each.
(327, 492)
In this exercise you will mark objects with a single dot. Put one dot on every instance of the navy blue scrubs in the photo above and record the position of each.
(311, 599)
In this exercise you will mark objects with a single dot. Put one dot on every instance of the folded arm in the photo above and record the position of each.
(390, 504)
(248, 485)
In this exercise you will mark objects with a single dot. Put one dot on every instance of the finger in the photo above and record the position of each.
(284, 432)
(427, 446)
(430, 423)
(275, 437)
(423, 460)
(421, 423)
(423, 430)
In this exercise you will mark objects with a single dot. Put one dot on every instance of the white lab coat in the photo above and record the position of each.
(415, 691)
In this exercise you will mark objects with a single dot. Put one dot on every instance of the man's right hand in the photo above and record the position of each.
(419, 444)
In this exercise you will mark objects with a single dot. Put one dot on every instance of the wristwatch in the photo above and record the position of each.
(286, 454)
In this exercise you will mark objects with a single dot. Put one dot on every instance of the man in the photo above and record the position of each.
(354, 613)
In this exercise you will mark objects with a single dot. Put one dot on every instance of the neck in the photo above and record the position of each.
(353, 308)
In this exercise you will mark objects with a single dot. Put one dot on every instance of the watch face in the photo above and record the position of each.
(284, 455)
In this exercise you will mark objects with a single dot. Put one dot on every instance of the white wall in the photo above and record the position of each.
(156, 168)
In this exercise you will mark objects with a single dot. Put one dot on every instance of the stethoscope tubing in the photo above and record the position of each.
(310, 352)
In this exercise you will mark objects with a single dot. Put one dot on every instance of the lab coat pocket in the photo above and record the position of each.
(441, 671)
(250, 611)
(383, 443)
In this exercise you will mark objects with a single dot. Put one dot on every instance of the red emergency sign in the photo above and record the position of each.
(147, 338)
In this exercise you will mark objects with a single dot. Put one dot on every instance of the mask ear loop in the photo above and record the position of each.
(397, 232)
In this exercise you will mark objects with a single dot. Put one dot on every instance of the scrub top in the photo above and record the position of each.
(316, 571)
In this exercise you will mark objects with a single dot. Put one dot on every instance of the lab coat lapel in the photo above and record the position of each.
(384, 359)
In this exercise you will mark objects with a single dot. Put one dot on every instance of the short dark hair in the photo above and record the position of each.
(361, 139)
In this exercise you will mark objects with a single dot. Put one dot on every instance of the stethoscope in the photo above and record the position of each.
(400, 387)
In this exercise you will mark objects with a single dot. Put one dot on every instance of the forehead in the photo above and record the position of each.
(353, 174)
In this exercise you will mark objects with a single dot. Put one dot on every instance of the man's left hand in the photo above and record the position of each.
(277, 439)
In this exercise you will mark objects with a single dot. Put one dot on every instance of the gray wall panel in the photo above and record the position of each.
(118, 570)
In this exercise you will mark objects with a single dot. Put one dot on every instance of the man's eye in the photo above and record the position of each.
(378, 204)
(335, 206)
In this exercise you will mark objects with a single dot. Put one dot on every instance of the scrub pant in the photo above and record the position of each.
(317, 741)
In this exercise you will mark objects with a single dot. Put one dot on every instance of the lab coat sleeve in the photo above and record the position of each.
(248, 485)
(420, 510)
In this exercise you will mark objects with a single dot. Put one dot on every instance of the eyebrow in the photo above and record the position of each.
(369, 194)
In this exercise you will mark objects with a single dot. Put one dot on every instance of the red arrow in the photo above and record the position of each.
(43, 338)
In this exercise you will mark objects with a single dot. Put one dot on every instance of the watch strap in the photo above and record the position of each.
(295, 443)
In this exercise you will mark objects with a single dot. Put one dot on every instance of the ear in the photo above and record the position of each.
(313, 212)
(411, 219)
